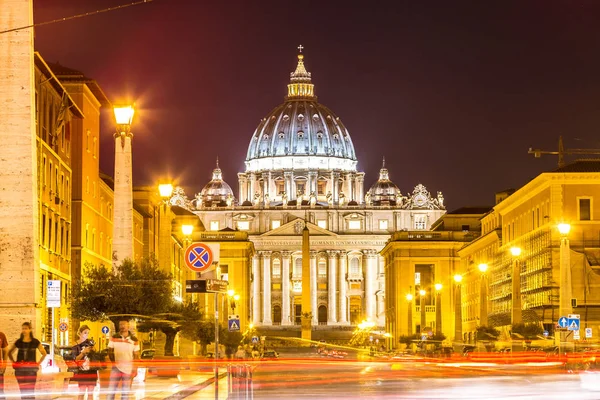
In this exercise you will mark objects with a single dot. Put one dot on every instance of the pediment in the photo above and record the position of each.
(295, 227)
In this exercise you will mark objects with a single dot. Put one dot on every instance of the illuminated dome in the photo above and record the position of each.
(384, 191)
(216, 192)
(301, 133)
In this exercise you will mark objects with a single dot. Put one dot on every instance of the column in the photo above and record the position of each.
(331, 288)
(267, 288)
(285, 288)
(265, 188)
(252, 189)
(123, 200)
(164, 237)
(292, 195)
(343, 320)
(19, 214)
(313, 287)
(242, 187)
(334, 186)
(256, 290)
(566, 291)
(458, 336)
(516, 293)
(360, 177)
(370, 281)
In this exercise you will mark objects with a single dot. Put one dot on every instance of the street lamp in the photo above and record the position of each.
(123, 186)
(233, 298)
(438, 309)
(516, 317)
(409, 299)
(566, 291)
(422, 294)
(165, 190)
(458, 309)
(483, 296)
(187, 230)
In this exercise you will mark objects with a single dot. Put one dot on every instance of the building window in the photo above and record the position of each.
(87, 141)
(420, 222)
(354, 224)
(44, 230)
(465, 228)
(585, 209)
(50, 173)
(383, 224)
(354, 266)
(322, 268)
(298, 267)
(322, 223)
(280, 188)
(275, 224)
(276, 268)
(321, 186)
(417, 278)
(95, 146)
(44, 173)
(214, 225)
(243, 225)
(300, 187)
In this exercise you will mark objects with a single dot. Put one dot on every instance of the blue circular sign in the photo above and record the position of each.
(105, 329)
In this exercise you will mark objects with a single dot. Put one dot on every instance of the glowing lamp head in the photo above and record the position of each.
(123, 114)
(251, 325)
(409, 297)
(165, 190)
(458, 278)
(438, 286)
(483, 267)
(187, 229)
(422, 292)
(230, 292)
(387, 334)
(564, 229)
(236, 297)
(515, 251)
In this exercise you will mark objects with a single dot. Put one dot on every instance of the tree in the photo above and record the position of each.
(130, 289)
(528, 331)
(487, 333)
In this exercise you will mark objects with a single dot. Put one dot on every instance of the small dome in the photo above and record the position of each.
(216, 192)
(383, 191)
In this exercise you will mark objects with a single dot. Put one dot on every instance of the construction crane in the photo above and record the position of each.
(537, 153)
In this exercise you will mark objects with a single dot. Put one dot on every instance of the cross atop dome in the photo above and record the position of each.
(383, 172)
(217, 174)
(300, 80)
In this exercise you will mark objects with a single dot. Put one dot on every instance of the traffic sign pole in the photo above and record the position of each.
(216, 346)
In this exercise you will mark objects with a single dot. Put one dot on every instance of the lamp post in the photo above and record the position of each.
(566, 291)
(123, 191)
(422, 294)
(458, 309)
(517, 316)
(164, 229)
(438, 309)
(409, 299)
(483, 296)
(233, 299)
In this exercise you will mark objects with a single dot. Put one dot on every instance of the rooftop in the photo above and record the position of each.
(583, 165)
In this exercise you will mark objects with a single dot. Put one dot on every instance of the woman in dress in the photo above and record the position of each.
(26, 365)
(86, 375)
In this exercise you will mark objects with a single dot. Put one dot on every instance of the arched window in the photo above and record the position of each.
(298, 267)
(354, 266)
(322, 315)
(276, 268)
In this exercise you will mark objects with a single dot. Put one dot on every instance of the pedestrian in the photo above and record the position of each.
(86, 374)
(240, 354)
(26, 365)
(3, 361)
(123, 350)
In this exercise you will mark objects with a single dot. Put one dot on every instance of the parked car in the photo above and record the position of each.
(147, 354)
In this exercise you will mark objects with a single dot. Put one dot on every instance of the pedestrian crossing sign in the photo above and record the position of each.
(573, 324)
(234, 323)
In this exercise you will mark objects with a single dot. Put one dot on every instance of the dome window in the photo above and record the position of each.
(266, 137)
(336, 136)
(286, 117)
(300, 134)
(316, 117)
(281, 135)
(300, 117)
(319, 135)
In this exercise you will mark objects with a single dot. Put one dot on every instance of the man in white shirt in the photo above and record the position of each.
(123, 350)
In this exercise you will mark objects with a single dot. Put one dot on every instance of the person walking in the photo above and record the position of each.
(26, 365)
(123, 350)
(3, 361)
(86, 375)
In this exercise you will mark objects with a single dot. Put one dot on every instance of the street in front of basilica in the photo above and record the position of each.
(428, 255)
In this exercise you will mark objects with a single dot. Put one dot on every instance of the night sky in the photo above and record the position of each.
(452, 93)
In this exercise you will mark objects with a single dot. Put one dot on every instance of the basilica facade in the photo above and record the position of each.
(301, 170)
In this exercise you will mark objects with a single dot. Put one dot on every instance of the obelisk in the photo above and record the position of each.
(20, 297)
(306, 286)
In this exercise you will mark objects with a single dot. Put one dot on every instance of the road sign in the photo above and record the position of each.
(234, 323)
(563, 322)
(423, 337)
(576, 335)
(588, 333)
(206, 286)
(254, 339)
(574, 316)
(216, 286)
(63, 327)
(53, 294)
(200, 256)
(105, 330)
(546, 333)
(573, 324)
